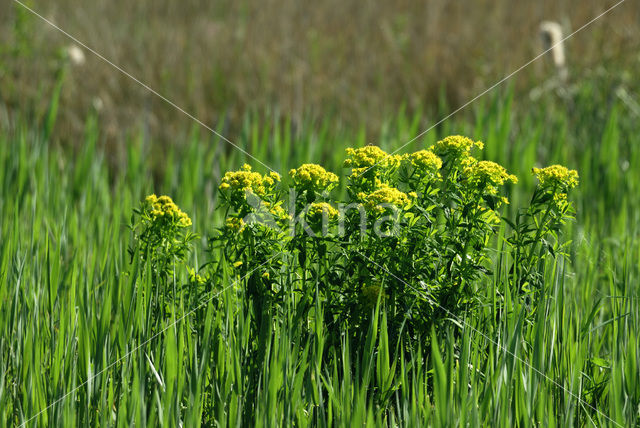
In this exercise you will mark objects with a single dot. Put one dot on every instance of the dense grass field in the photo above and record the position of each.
(82, 343)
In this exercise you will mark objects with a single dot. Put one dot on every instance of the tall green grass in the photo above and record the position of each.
(79, 346)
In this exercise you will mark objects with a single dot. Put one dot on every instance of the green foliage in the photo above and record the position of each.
(537, 228)
(414, 233)
(254, 325)
(158, 232)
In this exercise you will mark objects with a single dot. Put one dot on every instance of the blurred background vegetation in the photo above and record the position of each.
(334, 66)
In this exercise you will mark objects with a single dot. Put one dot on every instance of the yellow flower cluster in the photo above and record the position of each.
(456, 146)
(313, 177)
(424, 161)
(245, 179)
(487, 174)
(363, 158)
(556, 176)
(319, 209)
(385, 195)
(164, 209)
(235, 224)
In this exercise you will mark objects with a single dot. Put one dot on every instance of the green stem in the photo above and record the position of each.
(538, 235)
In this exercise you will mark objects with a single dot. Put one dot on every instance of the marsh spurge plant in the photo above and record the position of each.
(414, 236)
(411, 244)
(161, 243)
(537, 228)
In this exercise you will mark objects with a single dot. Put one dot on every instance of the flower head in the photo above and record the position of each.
(235, 224)
(557, 176)
(425, 160)
(365, 158)
(313, 177)
(487, 174)
(318, 210)
(161, 228)
(425, 163)
(384, 197)
(455, 146)
(162, 210)
(486, 177)
(557, 180)
(243, 180)
(273, 176)
(246, 187)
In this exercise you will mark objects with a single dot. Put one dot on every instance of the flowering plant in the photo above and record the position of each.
(161, 243)
(413, 233)
(537, 228)
(161, 230)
